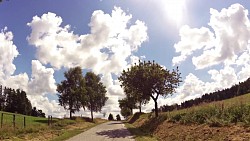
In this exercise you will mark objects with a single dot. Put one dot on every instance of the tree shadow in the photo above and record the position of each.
(135, 117)
(117, 133)
(112, 123)
(41, 121)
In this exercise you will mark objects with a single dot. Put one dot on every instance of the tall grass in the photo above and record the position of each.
(222, 113)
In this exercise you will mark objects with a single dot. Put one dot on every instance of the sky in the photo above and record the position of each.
(41, 39)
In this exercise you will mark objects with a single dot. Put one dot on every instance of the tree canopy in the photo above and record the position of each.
(150, 80)
(79, 91)
(95, 97)
(71, 91)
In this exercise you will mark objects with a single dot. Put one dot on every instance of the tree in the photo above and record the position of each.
(71, 91)
(110, 117)
(150, 80)
(125, 112)
(95, 97)
(128, 103)
(118, 118)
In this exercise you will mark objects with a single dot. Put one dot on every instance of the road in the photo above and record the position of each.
(109, 131)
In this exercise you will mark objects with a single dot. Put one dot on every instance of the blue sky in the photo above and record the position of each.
(39, 40)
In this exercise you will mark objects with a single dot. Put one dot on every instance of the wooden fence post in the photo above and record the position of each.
(14, 120)
(48, 120)
(2, 120)
(24, 122)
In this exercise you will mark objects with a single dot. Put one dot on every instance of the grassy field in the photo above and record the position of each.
(37, 128)
(214, 119)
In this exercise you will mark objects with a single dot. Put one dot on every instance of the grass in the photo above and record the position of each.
(37, 128)
(221, 113)
(139, 134)
(224, 114)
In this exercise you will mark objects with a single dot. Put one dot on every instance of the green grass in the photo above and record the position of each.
(139, 134)
(221, 113)
(37, 127)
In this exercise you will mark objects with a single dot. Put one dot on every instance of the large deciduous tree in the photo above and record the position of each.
(95, 97)
(150, 80)
(71, 91)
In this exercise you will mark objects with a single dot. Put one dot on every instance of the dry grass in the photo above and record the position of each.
(38, 129)
(223, 120)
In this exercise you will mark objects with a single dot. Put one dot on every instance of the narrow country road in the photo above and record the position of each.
(109, 131)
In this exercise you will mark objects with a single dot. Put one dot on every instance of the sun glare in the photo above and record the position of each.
(174, 10)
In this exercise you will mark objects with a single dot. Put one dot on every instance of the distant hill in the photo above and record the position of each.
(236, 90)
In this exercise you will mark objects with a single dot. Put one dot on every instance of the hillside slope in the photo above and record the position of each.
(37, 128)
(222, 120)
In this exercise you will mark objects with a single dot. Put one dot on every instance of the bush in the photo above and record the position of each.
(110, 117)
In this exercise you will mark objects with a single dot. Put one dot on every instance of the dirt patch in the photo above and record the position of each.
(168, 131)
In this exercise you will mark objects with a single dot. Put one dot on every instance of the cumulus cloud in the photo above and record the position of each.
(225, 43)
(230, 38)
(42, 79)
(8, 52)
(192, 39)
(111, 41)
(106, 50)
(40, 83)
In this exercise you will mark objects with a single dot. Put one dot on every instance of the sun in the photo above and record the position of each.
(174, 10)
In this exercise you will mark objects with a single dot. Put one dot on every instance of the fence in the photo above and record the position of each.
(17, 121)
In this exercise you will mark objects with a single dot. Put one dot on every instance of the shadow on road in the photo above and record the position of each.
(118, 133)
(115, 123)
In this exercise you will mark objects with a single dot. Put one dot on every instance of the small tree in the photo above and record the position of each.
(125, 112)
(118, 118)
(150, 80)
(71, 91)
(110, 117)
(95, 97)
(128, 103)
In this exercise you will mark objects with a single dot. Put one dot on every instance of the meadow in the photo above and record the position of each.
(205, 121)
(37, 128)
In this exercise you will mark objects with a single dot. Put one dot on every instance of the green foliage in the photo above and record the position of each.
(149, 79)
(214, 115)
(125, 112)
(71, 91)
(95, 97)
(78, 91)
(110, 117)
(118, 117)
(14, 101)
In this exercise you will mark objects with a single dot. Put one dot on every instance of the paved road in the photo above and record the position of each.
(109, 131)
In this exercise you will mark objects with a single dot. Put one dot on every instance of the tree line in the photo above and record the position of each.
(16, 101)
(144, 81)
(236, 90)
(78, 91)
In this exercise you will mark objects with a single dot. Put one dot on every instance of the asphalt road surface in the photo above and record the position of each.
(109, 131)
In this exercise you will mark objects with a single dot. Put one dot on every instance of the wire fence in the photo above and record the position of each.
(17, 121)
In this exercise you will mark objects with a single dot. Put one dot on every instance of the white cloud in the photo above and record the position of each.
(106, 49)
(8, 52)
(192, 39)
(41, 82)
(230, 39)
(42, 79)
(226, 43)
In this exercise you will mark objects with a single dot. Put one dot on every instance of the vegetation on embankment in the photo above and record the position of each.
(38, 128)
(222, 120)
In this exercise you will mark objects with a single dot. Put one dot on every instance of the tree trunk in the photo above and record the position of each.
(140, 107)
(70, 114)
(156, 108)
(92, 115)
(131, 109)
(91, 111)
